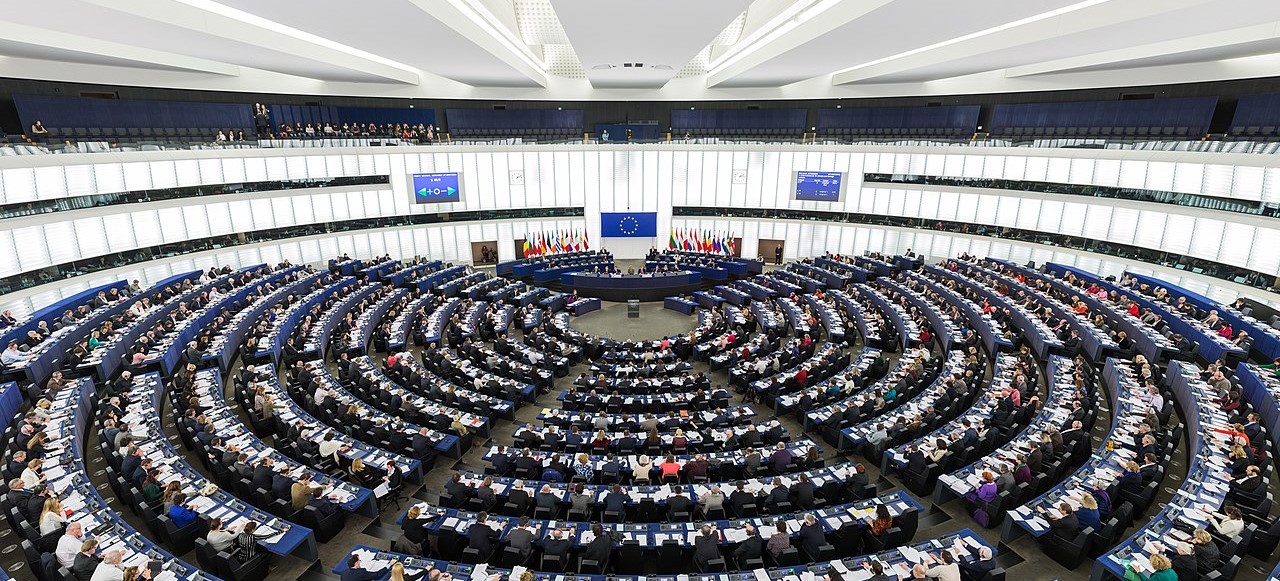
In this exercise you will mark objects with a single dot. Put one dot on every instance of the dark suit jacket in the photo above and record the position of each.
(481, 537)
(975, 570)
(615, 502)
(555, 547)
(679, 504)
(811, 538)
(361, 575)
(706, 548)
(599, 550)
(750, 548)
(916, 462)
(262, 476)
(84, 566)
(1065, 528)
(281, 487)
(804, 493)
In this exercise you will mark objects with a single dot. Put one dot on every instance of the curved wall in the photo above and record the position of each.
(653, 178)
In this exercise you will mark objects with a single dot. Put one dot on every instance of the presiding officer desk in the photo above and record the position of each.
(620, 287)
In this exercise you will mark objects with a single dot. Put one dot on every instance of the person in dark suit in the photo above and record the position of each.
(678, 503)
(262, 474)
(556, 545)
(777, 494)
(740, 497)
(356, 572)
(459, 491)
(1149, 469)
(1131, 479)
(519, 497)
(1184, 563)
(480, 536)
(616, 500)
(502, 463)
(750, 548)
(600, 547)
(281, 486)
(975, 570)
(811, 536)
(1208, 556)
(1064, 526)
(20, 497)
(422, 444)
(706, 547)
(1250, 483)
(521, 538)
(415, 523)
(916, 461)
(86, 561)
(804, 492)
(545, 499)
(858, 479)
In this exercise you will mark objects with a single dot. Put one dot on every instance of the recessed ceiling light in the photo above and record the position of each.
(602, 67)
(662, 67)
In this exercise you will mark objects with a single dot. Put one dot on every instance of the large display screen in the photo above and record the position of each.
(819, 186)
(434, 188)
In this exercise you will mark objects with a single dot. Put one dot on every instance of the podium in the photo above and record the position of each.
(633, 308)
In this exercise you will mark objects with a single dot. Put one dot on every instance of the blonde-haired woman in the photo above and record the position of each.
(42, 410)
(1208, 557)
(31, 475)
(582, 467)
(361, 475)
(52, 516)
(642, 469)
(601, 442)
(398, 573)
(1088, 515)
(679, 441)
(1163, 569)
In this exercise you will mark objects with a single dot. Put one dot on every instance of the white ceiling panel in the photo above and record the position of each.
(659, 35)
(578, 49)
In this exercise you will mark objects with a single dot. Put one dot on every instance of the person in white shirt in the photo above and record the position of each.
(322, 394)
(52, 517)
(31, 474)
(1230, 523)
(12, 356)
(945, 568)
(1157, 400)
(69, 544)
(109, 569)
(330, 446)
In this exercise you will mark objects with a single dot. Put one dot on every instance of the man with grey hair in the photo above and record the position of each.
(978, 568)
(811, 536)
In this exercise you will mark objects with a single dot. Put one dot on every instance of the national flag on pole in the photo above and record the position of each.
(525, 249)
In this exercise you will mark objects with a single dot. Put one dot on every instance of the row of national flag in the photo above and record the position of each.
(555, 242)
(694, 240)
